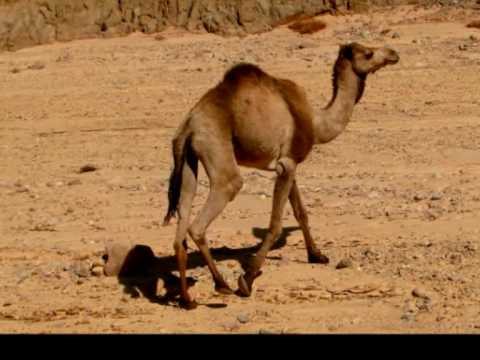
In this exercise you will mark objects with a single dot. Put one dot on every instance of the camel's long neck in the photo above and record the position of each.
(347, 91)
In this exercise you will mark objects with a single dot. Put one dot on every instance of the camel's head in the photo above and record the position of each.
(366, 60)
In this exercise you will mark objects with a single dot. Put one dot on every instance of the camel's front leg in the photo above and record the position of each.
(286, 176)
(314, 255)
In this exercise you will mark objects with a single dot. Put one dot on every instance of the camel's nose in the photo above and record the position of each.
(392, 56)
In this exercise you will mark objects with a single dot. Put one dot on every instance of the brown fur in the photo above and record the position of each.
(339, 68)
(256, 120)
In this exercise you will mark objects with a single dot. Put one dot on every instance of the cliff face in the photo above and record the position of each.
(32, 22)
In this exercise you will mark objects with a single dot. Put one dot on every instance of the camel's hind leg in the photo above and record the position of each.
(217, 156)
(314, 255)
(189, 186)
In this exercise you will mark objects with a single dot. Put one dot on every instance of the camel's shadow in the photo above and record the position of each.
(141, 269)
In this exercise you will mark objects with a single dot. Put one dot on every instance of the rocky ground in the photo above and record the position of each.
(395, 199)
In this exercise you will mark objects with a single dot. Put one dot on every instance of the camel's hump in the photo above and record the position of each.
(242, 71)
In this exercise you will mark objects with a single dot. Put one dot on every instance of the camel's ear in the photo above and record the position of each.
(347, 51)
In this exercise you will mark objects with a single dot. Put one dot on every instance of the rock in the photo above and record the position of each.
(364, 34)
(424, 305)
(395, 35)
(38, 22)
(343, 264)
(231, 326)
(97, 271)
(87, 168)
(430, 215)
(74, 182)
(81, 269)
(38, 65)
(243, 318)
(420, 293)
(46, 226)
(418, 197)
(126, 259)
(266, 332)
(436, 196)
(473, 38)
(463, 47)
(373, 195)
(410, 317)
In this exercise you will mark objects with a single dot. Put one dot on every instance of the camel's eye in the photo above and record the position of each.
(369, 55)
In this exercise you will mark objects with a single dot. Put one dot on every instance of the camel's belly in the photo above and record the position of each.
(256, 156)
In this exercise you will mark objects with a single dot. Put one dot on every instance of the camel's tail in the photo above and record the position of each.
(179, 147)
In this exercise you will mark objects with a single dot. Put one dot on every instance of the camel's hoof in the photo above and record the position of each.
(188, 305)
(244, 289)
(224, 290)
(317, 258)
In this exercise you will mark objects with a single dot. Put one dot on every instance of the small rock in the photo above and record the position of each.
(231, 326)
(344, 263)
(430, 215)
(38, 65)
(159, 37)
(266, 332)
(47, 226)
(87, 168)
(420, 293)
(97, 271)
(243, 318)
(410, 317)
(395, 35)
(424, 305)
(373, 195)
(418, 197)
(74, 182)
(436, 196)
(81, 269)
(15, 70)
(364, 34)
(463, 47)
(473, 38)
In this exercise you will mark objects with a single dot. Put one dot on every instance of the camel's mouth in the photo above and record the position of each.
(392, 58)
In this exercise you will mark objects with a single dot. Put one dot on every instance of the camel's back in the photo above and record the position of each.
(265, 117)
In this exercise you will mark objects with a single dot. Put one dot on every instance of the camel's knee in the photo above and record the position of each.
(231, 187)
(285, 167)
(197, 235)
(235, 186)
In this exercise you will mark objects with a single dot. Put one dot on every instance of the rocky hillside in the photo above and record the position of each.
(31, 22)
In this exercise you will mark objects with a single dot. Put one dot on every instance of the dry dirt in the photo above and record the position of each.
(397, 194)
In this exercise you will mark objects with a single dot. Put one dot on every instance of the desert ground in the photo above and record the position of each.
(395, 198)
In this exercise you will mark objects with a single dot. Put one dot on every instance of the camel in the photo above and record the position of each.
(255, 120)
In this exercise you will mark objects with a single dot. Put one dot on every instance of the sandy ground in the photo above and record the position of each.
(397, 193)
